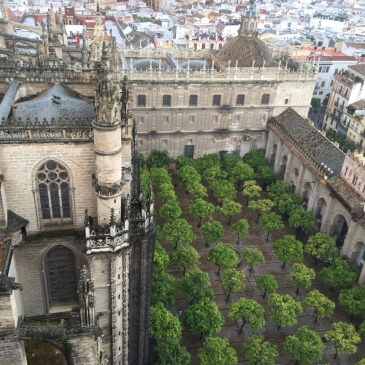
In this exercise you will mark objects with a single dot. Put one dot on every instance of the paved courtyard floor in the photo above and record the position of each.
(257, 239)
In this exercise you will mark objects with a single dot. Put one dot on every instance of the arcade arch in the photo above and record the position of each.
(339, 229)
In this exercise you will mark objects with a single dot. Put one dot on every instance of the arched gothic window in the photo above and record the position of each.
(53, 185)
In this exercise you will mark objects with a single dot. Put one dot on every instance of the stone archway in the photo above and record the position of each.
(40, 352)
(273, 155)
(358, 255)
(282, 167)
(320, 211)
(306, 195)
(339, 229)
(61, 274)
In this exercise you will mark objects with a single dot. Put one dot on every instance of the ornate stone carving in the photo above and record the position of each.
(86, 298)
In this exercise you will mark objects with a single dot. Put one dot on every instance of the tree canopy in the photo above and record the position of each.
(163, 288)
(158, 159)
(302, 276)
(163, 325)
(170, 211)
(344, 338)
(257, 350)
(321, 246)
(267, 283)
(224, 256)
(255, 159)
(208, 160)
(229, 208)
(231, 160)
(160, 176)
(261, 206)
(266, 175)
(197, 190)
(223, 189)
(353, 300)
(182, 161)
(185, 257)
(339, 274)
(300, 218)
(284, 310)
(167, 353)
(200, 208)
(212, 232)
(203, 317)
(241, 172)
(276, 189)
(217, 351)
(323, 307)
(240, 229)
(188, 176)
(285, 202)
(250, 190)
(195, 286)
(248, 310)
(177, 232)
(305, 346)
(233, 281)
(270, 222)
(288, 249)
(214, 173)
(252, 256)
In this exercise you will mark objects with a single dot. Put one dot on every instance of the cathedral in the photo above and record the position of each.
(76, 231)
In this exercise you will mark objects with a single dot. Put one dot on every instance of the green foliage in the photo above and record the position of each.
(177, 232)
(160, 259)
(321, 246)
(200, 208)
(248, 310)
(197, 190)
(182, 161)
(252, 256)
(141, 161)
(339, 274)
(214, 173)
(250, 190)
(217, 351)
(163, 288)
(158, 159)
(212, 232)
(257, 350)
(305, 346)
(344, 337)
(159, 176)
(185, 257)
(285, 203)
(166, 193)
(240, 229)
(353, 300)
(241, 172)
(323, 307)
(288, 249)
(163, 325)
(229, 208)
(231, 160)
(277, 189)
(266, 175)
(195, 286)
(210, 160)
(223, 189)
(299, 218)
(188, 176)
(167, 353)
(170, 211)
(145, 181)
(302, 276)
(362, 329)
(262, 206)
(361, 362)
(315, 102)
(255, 159)
(267, 283)
(284, 310)
(224, 256)
(203, 317)
(270, 222)
(233, 281)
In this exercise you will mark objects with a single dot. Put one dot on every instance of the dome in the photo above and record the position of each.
(245, 50)
(194, 65)
(145, 64)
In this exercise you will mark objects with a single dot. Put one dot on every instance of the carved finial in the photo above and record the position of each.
(97, 8)
(86, 298)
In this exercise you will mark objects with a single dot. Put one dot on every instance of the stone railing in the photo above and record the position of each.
(59, 129)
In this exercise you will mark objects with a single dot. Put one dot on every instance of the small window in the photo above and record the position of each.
(215, 119)
(191, 119)
(323, 83)
(320, 93)
(331, 82)
(314, 92)
(265, 99)
(193, 100)
(320, 69)
(166, 100)
(141, 100)
(164, 142)
(327, 68)
(216, 100)
(354, 181)
(165, 120)
(286, 101)
(346, 170)
(240, 99)
(140, 120)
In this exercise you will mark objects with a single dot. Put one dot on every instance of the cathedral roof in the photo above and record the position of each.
(310, 140)
(245, 50)
(57, 101)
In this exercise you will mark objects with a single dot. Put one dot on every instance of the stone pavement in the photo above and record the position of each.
(257, 239)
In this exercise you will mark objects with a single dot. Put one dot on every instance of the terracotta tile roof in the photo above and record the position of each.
(310, 141)
(355, 45)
